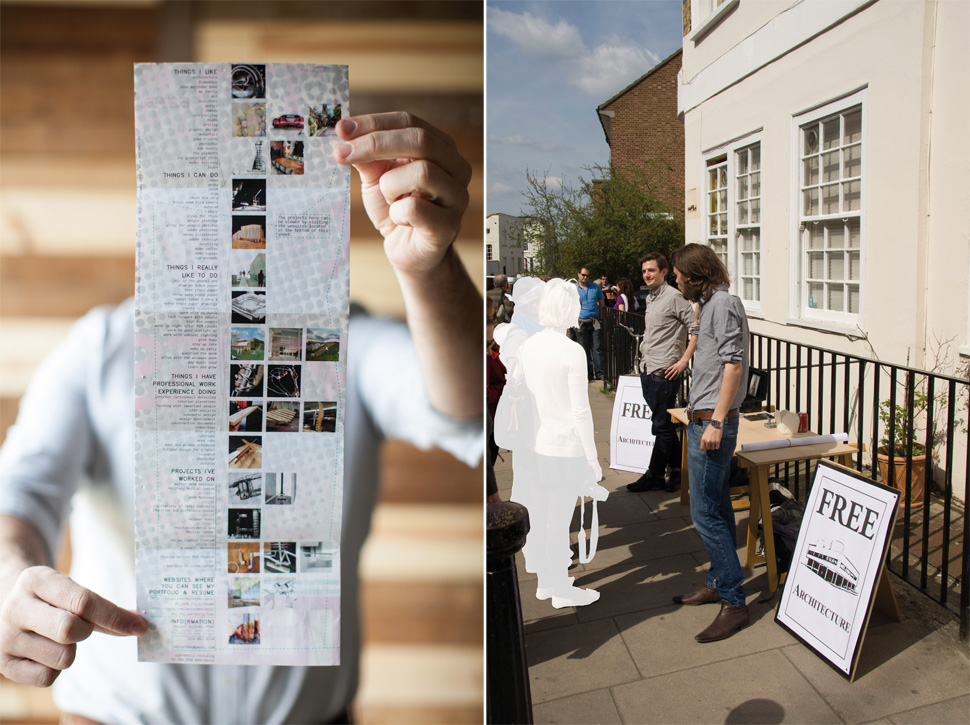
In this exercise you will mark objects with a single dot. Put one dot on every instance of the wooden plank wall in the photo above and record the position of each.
(67, 223)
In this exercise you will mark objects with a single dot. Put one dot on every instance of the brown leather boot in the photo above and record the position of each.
(728, 621)
(704, 595)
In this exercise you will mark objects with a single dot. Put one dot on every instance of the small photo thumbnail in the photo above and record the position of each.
(249, 195)
(286, 157)
(245, 488)
(322, 119)
(280, 489)
(249, 308)
(244, 523)
(279, 557)
(286, 343)
(245, 416)
(248, 81)
(289, 122)
(282, 416)
(279, 592)
(283, 381)
(243, 557)
(244, 628)
(320, 417)
(245, 451)
(247, 343)
(248, 268)
(315, 557)
(243, 591)
(246, 380)
(248, 231)
(248, 119)
(322, 344)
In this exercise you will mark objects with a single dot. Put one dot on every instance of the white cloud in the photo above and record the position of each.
(553, 182)
(610, 67)
(499, 188)
(535, 36)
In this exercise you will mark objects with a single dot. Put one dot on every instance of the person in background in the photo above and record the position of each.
(625, 301)
(501, 296)
(609, 292)
(669, 340)
(589, 332)
(720, 364)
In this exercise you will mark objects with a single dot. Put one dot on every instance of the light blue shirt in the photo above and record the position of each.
(589, 299)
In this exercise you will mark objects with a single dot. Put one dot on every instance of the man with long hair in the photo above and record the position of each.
(716, 392)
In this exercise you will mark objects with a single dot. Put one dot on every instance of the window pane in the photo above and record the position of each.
(811, 139)
(830, 166)
(742, 187)
(836, 236)
(853, 127)
(816, 235)
(816, 266)
(747, 264)
(853, 226)
(713, 201)
(830, 199)
(836, 266)
(756, 157)
(852, 191)
(712, 179)
(745, 241)
(755, 211)
(742, 161)
(810, 173)
(756, 184)
(722, 206)
(722, 178)
(852, 157)
(830, 133)
(811, 202)
(748, 288)
(713, 223)
(742, 212)
(815, 294)
(723, 218)
(836, 298)
(853, 298)
(854, 266)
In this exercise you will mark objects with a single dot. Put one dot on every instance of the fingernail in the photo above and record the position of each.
(344, 150)
(139, 628)
(348, 126)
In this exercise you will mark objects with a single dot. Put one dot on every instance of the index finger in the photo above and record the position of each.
(64, 593)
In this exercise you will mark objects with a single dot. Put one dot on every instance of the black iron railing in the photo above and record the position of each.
(867, 399)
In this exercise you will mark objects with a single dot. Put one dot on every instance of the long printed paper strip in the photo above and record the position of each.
(793, 442)
(241, 319)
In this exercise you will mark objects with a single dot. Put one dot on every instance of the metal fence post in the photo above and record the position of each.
(509, 698)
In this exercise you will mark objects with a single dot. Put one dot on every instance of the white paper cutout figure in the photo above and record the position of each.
(544, 417)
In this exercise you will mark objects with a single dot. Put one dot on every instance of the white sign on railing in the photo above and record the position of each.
(631, 436)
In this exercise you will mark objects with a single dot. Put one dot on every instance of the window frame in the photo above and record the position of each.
(802, 224)
(713, 158)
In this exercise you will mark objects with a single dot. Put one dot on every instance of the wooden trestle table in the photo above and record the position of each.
(758, 463)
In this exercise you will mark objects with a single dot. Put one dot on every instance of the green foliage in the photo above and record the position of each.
(900, 429)
(605, 224)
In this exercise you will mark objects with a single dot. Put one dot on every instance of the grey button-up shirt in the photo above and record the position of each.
(723, 339)
(669, 322)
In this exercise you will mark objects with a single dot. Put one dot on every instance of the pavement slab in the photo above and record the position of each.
(596, 706)
(948, 712)
(569, 661)
(759, 688)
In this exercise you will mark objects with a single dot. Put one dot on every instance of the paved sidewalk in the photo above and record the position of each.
(631, 657)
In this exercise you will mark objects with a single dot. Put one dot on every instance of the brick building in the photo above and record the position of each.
(644, 132)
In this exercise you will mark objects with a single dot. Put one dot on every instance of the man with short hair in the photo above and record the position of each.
(609, 293)
(590, 334)
(669, 340)
(501, 296)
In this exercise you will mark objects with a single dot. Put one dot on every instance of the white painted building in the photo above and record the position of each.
(507, 250)
(828, 162)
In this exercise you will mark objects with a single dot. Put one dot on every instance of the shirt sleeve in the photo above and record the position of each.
(383, 366)
(728, 331)
(685, 313)
(578, 386)
(48, 449)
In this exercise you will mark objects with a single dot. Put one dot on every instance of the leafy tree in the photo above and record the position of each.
(605, 223)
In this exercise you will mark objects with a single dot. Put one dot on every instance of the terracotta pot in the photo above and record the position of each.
(899, 466)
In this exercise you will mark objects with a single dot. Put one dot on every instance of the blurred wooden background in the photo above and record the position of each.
(67, 225)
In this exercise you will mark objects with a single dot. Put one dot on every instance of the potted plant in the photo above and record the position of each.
(897, 438)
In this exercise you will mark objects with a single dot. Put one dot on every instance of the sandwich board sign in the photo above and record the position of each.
(631, 434)
(838, 568)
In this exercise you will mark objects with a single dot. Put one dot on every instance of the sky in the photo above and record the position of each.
(549, 65)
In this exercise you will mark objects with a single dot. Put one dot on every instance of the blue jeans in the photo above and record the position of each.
(711, 511)
(590, 335)
(660, 394)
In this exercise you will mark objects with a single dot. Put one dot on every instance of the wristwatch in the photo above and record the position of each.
(716, 423)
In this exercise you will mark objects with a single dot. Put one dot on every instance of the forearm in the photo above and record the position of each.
(689, 352)
(21, 547)
(730, 381)
(447, 325)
